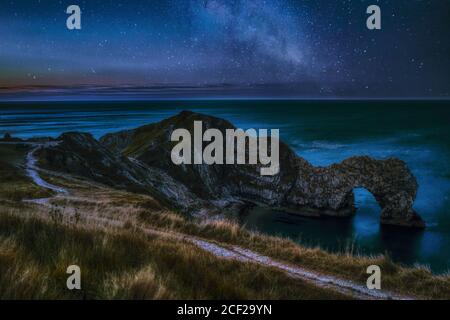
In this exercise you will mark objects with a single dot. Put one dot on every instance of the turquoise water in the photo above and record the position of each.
(321, 132)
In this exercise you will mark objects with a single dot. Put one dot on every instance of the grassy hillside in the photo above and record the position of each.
(38, 242)
(126, 264)
(14, 184)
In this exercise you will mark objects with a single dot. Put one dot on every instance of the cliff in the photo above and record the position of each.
(140, 160)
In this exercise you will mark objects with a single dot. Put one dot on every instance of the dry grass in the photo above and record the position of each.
(126, 264)
(119, 264)
(139, 285)
(15, 186)
(418, 281)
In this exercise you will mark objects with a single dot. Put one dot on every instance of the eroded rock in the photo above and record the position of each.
(141, 159)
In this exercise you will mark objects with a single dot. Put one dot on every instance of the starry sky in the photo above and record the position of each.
(226, 48)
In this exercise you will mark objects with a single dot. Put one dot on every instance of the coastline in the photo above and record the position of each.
(74, 195)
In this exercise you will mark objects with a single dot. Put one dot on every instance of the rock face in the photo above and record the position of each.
(81, 155)
(331, 188)
(140, 160)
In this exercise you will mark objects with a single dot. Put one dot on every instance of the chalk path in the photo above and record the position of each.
(33, 171)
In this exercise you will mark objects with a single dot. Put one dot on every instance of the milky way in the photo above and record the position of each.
(292, 48)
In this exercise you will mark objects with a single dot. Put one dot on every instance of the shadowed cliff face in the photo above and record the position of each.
(141, 159)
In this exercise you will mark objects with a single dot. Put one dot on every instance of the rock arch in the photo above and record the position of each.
(129, 159)
(389, 181)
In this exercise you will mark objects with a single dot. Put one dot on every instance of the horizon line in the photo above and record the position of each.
(130, 99)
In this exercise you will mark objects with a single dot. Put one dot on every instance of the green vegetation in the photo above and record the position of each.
(13, 153)
(14, 184)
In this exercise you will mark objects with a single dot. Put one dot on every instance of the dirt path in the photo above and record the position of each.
(230, 252)
(323, 281)
(33, 171)
(225, 251)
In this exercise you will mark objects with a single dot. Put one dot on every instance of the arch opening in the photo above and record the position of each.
(367, 212)
(365, 202)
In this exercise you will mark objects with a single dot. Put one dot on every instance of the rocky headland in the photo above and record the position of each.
(139, 160)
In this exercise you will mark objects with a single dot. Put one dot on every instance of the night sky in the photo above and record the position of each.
(227, 48)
